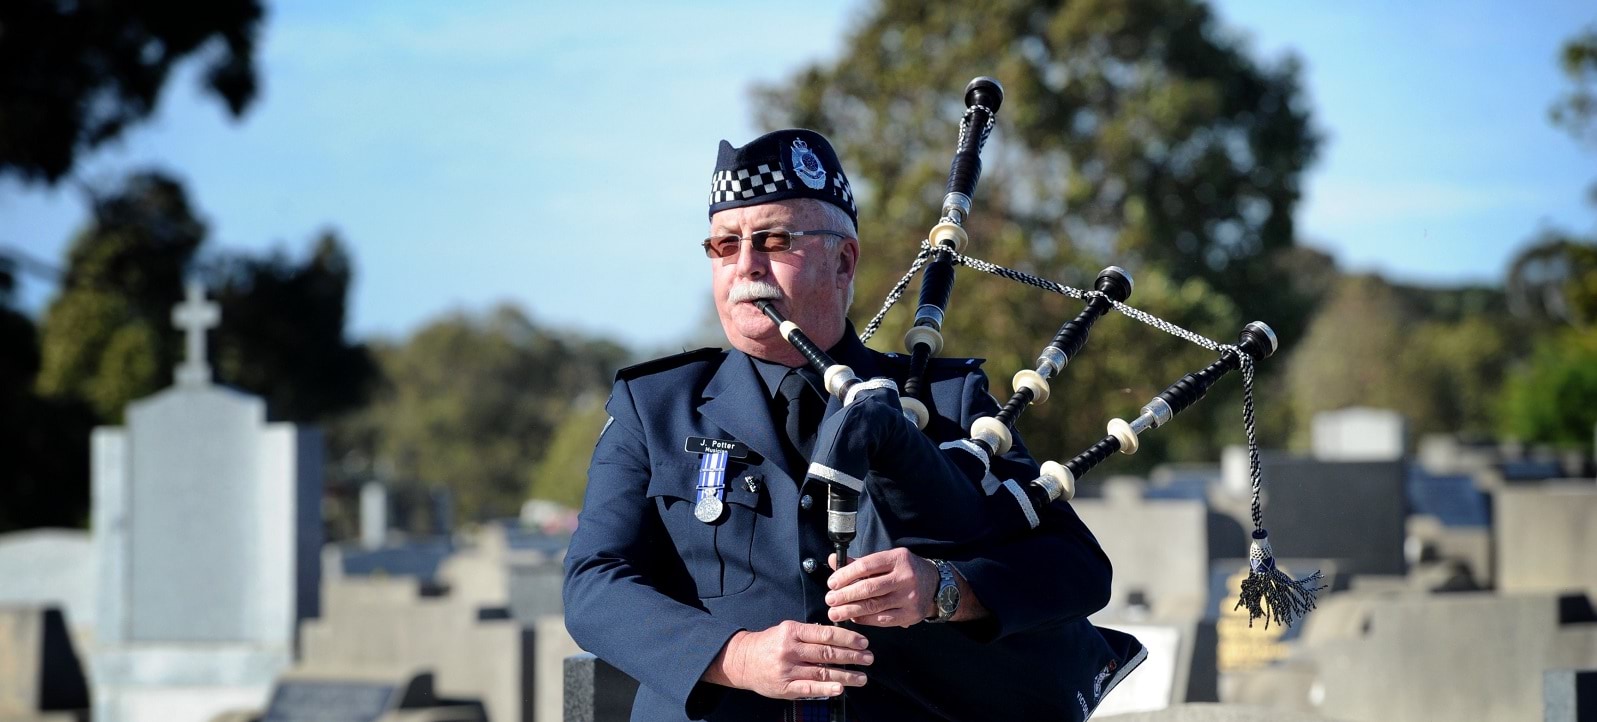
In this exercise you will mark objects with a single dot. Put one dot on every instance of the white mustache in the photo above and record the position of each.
(754, 291)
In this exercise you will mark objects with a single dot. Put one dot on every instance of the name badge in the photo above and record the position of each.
(700, 445)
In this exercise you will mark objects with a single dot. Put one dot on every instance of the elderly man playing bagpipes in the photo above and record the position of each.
(801, 528)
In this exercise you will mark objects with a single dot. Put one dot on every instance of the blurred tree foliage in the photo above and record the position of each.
(1555, 280)
(1553, 398)
(562, 475)
(1576, 111)
(1436, 356)
(1133, 132)
(282, 332)
(74, 75)
(108, 338)
(44, 477)
(471, 402)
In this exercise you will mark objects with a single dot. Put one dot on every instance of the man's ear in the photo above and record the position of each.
(847, 262)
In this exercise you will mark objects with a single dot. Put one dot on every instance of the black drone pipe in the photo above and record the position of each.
(983, 96)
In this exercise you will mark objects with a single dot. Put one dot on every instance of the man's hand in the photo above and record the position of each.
(887, 589)
(788, 661)
(894, 588)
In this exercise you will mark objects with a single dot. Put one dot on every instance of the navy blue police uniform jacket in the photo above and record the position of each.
(654, 591)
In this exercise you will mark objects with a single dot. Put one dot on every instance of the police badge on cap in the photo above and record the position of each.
(794, 163)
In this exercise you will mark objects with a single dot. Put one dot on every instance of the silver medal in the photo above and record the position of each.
(709, 509)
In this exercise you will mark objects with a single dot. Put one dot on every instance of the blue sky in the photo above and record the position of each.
(557, 154)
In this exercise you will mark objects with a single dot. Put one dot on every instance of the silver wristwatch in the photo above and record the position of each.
(947, 597)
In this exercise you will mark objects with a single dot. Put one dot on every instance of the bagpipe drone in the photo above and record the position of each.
(931, 494)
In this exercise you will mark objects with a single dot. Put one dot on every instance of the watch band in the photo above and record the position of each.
(945, 581)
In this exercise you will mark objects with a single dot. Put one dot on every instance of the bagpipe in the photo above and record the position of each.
(930, 494)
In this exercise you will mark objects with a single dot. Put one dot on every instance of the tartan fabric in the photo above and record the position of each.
(815, 710)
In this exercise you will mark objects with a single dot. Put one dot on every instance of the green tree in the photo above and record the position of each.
(562, 475)
(1576, 111)
(471, 403)
(1553, 398)
(1555, 280)
(74, 75)
(1134, 132)
(44, 452)
(1436, 356)
(103, 337)
(282, 332)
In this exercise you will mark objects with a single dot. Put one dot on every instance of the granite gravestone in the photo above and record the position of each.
(1160, 550)
(389, 625)
(1546, 537)
(1350, 512)
(207, 530)
(1474, 656)
(355, 697)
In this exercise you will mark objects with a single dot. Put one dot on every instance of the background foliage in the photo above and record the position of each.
(1141, 133)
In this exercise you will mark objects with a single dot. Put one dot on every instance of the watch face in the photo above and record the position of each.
(948, 600)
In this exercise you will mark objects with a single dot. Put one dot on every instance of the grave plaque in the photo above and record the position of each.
(307, 700)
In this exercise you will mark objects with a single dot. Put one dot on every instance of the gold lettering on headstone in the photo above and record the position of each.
(1240, 646)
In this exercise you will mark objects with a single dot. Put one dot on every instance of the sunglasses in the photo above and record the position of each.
(772, 241)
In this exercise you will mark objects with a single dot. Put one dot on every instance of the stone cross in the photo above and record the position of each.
(194, 316)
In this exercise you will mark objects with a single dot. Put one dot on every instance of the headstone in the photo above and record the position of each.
(1358, 434)
(416, 558)
(1236, 480)
(39, 669)
(355, 697)
(386, 625)
(51, 568)
(554, 645)
(1352, 512)
(373, 515)
(1242, 643)
(1158, 682)
(207, 528)
(1453, 656)
(1160, 550)
(1569, 695)
(596, 691)
(1546, 537)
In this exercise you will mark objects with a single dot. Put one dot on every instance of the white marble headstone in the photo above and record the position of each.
(207, 532)
(1358, 434)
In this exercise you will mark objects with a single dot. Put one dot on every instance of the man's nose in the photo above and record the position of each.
(751, 263)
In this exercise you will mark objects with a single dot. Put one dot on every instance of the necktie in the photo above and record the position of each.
(804, 408)
(802, 417)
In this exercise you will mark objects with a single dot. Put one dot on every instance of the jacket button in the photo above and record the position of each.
(806, 502)
(809, 565)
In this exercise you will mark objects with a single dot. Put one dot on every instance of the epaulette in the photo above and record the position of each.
(666, 363)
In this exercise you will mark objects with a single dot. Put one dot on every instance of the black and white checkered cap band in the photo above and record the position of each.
(742, 184)
(840, 187)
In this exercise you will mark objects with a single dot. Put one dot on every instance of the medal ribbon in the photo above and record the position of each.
(712, 476)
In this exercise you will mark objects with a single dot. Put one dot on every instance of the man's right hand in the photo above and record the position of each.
(790, 661)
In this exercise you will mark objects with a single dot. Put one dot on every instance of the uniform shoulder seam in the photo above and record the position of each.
(667, 363)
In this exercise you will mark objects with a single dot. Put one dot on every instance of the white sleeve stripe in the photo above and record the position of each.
(1025, 503)
(969, 446)
(833, 475)
(866, 385)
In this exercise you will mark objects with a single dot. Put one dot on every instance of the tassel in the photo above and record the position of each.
(1270, 593)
